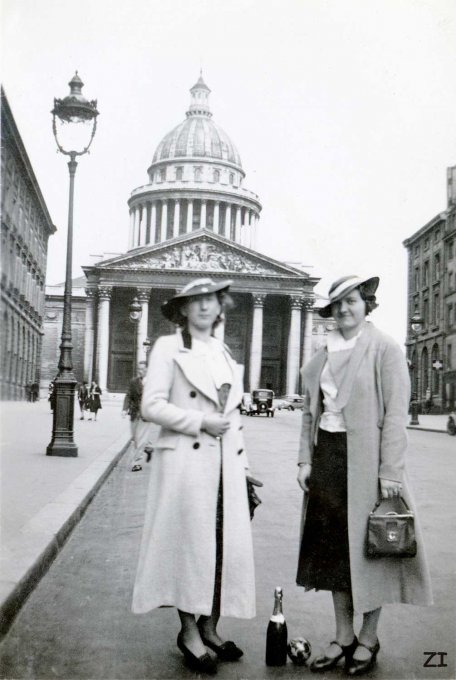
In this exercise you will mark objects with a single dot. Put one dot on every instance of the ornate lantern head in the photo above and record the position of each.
(135, 311)
(74, 120)
(416, 322)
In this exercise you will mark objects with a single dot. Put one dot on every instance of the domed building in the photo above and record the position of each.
(196, 218)
(195, 182)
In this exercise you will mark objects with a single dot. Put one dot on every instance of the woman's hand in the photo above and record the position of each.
(303, 476)
(389, 489)
(215, 424)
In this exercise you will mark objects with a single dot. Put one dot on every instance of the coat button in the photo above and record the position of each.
(240, 451)
(196, 445)
(193, 394)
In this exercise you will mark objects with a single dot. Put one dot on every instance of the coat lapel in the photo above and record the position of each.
(235, 393)
(196, 371)
(312, 378)
(359, 350)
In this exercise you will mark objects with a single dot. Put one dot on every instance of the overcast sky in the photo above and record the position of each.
(343, 112)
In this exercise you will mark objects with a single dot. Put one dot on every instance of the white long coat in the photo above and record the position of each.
(373, 396)
(177, 556)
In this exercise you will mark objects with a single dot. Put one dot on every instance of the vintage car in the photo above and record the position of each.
(245, 403)
(262, 403)
(289, 402)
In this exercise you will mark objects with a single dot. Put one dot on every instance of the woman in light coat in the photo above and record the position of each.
(196, 552)
(352, 451)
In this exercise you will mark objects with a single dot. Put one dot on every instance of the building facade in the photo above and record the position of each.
(432, 294)
(26, 227)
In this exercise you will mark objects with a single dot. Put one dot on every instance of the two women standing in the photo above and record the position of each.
(196, 552)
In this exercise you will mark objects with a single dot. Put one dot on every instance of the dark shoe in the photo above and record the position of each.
(226, 652)
(357, 667)
(325, 663)
(200, 664)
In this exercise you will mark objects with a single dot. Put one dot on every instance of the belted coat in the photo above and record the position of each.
(373, 396)
(178, 549)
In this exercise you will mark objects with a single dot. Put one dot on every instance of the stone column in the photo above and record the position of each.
(136, 227)
(189, 215)
(89, 334)
(237, 232)
(253, 233)
(294, 344)
(228, 221)
(219, 331)
(153, 222)
(256, 344)
(308, 327)
(143, 295)
(143, 225)
(104, 297)
(176, 218)
(164, 220)
(217, 217)
(203, 215)
(131, 232)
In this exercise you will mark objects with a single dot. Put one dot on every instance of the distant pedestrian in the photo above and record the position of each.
(139, 427)
(51, 395)
(83, 397)
(352, 452)
(35, 391)
(94, 399)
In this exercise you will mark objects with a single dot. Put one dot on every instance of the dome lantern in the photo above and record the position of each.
(199, 103)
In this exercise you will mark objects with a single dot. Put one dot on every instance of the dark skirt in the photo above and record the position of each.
(324, 561)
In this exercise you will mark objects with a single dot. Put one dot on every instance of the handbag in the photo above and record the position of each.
(253, 498)
(391, 529)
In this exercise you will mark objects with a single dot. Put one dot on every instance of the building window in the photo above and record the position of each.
(417, 250)
(231, 179)
(435, 371)
(448, 361)
(198, 174)
(437, 235)
(426, 313)
(436, 267)
(424, 372)
(216, 175)
(179, 173)
(426, 244)
(450, 316)
(426, 273)
(450, 281)
(417, 279)
(163, 175)
(436, 310)
(450, 249)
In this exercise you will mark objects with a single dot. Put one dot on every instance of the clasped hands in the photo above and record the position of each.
(388, 487)
(215, 424)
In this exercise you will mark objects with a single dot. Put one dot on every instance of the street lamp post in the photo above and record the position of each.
(416, 324)
(74, 122)
(135, 314)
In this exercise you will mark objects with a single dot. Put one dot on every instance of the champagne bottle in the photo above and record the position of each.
(276, 635)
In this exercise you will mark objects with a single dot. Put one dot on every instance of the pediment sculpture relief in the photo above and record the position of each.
(201, 256)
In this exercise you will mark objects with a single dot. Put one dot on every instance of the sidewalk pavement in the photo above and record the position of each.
(43, 497)
(431, 423)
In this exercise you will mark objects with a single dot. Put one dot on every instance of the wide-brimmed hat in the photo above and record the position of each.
(346, 284)
(206, 286)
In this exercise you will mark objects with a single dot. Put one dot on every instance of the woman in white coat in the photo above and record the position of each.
(196, 551)
(352, 449)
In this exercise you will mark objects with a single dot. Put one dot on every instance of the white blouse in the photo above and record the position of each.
(332, 420)
(216, 355)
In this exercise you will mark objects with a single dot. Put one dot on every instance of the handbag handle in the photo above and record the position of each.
(385, 500)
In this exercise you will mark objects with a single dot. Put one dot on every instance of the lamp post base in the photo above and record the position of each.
(62, 442)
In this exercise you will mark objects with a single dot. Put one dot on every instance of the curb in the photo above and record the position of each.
(425, 429)
(26, 559)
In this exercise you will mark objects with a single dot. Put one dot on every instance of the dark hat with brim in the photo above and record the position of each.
(171, 308)
(343, 286)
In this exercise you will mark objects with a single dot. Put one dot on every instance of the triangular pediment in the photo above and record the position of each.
(201, 251)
